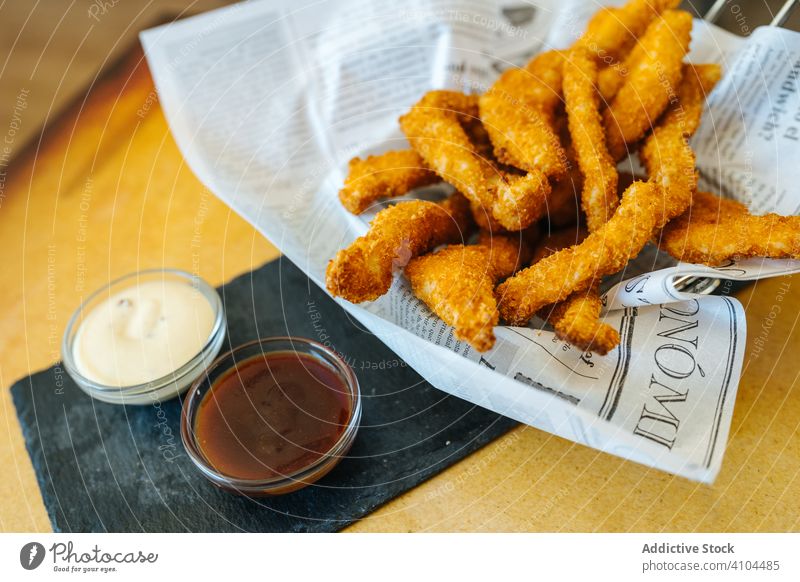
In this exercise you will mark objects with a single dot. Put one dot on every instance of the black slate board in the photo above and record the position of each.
(105, 467)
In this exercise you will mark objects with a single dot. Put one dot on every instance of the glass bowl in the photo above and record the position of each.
(297, 479)
(167, 386)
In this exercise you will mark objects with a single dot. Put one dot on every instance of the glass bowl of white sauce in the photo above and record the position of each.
(144, 337)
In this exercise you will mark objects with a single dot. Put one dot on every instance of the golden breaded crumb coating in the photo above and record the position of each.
(577, 320)
(696, 83)
(508, 154)
(716, 229)
(611, 78)
(509, 252)
(613, 31)
(666, 153)
(388, 175)
(435, 129)
(599, 194)
(651, 84)
(364, 270)
(517, 113)
(457, 284)
(670, 164)
(545, 91)
(579, 267)
(519, 200)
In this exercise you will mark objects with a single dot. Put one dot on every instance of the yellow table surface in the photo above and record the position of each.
(105, 191)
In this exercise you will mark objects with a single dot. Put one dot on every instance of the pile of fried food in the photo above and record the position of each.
(537, 153)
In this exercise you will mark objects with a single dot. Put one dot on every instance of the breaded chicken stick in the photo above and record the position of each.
(715, 230)
(434, 127)
(387, 175)
(599, 195)
(517, 112)
(666, 153)
(457, 284)
(613, 31)
(651, 84)
(645, 205)
(364, 270)
(640, 14)
(396, 173)
(578, 268)
(577, 318)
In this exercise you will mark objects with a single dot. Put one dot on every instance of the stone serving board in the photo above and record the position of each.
(104, 467)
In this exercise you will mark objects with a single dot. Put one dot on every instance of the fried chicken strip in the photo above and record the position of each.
(613, 31)
(387, 175)
(519, 200)
(517, 112)
(651, 84)
(599, 194)
(716, 229)
(666, 154)
(611, 78)
(363, 271)
(545, 91)
(395, 173)
(579, 267)
(457, 284)
(645, 207)
(577, 318)
(434, 129)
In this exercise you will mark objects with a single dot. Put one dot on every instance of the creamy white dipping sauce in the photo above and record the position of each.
(142, 333)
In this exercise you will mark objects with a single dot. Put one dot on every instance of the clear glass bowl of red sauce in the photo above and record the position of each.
(271, 416)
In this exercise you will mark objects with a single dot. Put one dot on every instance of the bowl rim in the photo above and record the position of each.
(301, 475)
(151, 386)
